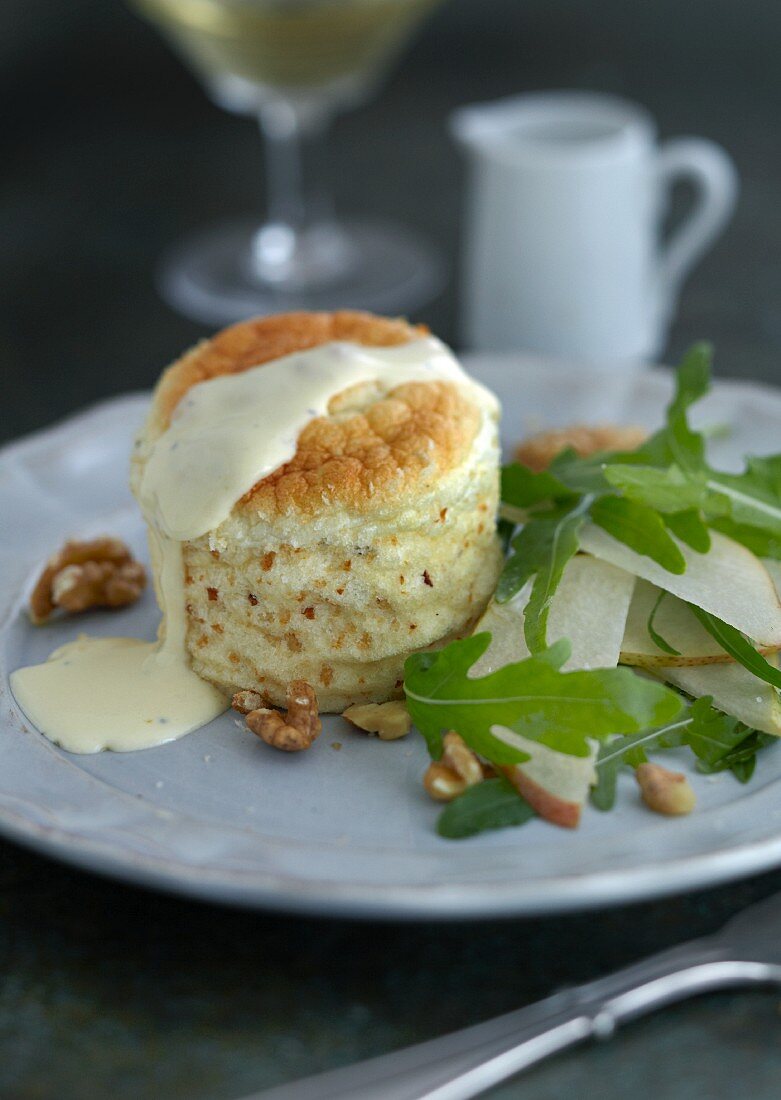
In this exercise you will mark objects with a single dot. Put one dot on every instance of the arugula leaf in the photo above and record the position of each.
(492, 804)
(563, 547)
(668, 490)
(739, 505)
(640, 528)
(531, 697)
(762, 543)
(631, 751)
(724, 500)
(743, 770)
(582, 475)
(692, 382)
(654, 635)
(523, 488)
(689, 528)
(543, 546)
(722, 743)
(654, 452)
(752, 498)
(739, 647)
(719, 742)
(603, 795)
(712, 735)
(742, 760)
(531, 549)
(676, 443)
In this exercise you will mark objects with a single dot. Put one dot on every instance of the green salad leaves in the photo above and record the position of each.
(493, 804)
(529, 717)
(562, 710)
(738, 647)
(642, 498)
(717, 741)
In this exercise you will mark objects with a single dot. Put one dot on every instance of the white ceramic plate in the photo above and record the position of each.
(346, 832)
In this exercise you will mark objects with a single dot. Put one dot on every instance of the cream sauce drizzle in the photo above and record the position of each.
(247, 424)
(123, 693)
(225, 434)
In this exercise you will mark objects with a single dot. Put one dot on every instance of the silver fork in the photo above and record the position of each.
(747, 951)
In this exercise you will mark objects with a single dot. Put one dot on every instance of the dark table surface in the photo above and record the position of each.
(110, 153)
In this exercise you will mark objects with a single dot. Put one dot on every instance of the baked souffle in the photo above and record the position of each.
(374, 538)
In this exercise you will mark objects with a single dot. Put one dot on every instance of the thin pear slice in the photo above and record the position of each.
(677, 625)
(729, 581)
(555, 784)
(735, 690)
(504, 622)
(774, 569)
(590, 608)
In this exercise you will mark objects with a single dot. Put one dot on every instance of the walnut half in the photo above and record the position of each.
(458, 769)
(664, 791)
(95, 573)
(389, 721)
(291, 732)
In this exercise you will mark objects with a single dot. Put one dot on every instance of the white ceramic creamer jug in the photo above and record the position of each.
(563, 238)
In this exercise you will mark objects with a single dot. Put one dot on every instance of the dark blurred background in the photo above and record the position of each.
(112, 151)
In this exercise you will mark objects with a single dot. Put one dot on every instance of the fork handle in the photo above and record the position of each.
(467, 1062)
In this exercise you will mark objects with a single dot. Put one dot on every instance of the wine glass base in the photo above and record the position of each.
(208, 276)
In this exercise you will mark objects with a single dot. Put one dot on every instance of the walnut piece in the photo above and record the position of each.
(663, 791)
(538, 451)
(458, 769)
(95, 573)
(291, 732)
(246, 701)
(389, 721)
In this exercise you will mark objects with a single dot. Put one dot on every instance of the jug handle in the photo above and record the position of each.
(711, 171)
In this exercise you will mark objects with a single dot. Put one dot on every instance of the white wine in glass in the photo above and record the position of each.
(293, 64)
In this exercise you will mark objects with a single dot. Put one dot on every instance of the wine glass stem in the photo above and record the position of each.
(301, 245)
(294, 134)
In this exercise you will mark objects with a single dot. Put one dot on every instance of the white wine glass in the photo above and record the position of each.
(293, 64)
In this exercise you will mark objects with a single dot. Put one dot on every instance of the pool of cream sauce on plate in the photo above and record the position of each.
(225, 435)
